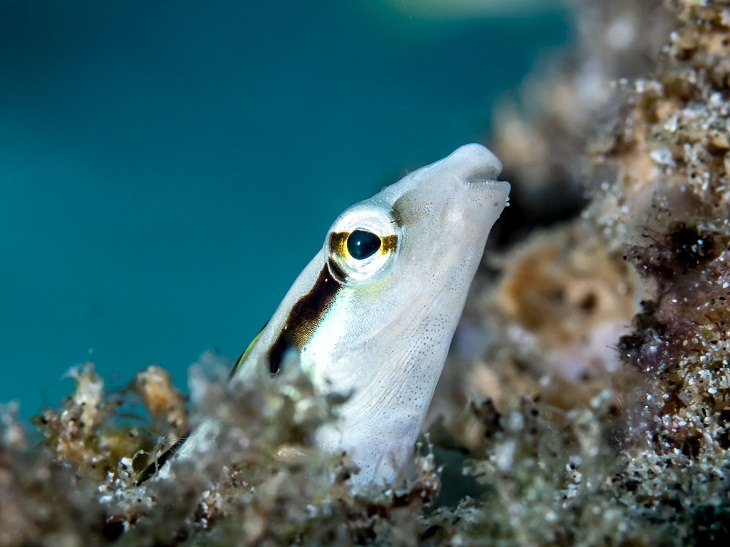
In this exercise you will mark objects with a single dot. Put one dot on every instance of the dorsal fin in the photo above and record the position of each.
(157, 464)
(246, 352)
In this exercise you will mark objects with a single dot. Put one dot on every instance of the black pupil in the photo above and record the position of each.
(362, 244)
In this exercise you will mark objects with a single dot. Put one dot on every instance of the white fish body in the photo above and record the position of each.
(374, 312)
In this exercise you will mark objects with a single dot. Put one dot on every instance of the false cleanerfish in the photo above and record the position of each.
(373, 313)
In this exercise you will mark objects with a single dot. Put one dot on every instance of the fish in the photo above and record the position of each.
(372, 316)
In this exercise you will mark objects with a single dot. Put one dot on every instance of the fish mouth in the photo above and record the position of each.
(489, 194)
(476, 163)
(487, 173)
(479, 168)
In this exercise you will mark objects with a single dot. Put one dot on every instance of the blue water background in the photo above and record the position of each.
(167, 168)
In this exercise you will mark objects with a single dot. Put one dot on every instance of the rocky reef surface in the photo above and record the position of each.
(586, 398)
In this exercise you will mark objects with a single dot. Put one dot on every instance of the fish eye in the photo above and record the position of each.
(361, 244)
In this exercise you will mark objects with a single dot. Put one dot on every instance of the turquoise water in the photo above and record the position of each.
(167, 168)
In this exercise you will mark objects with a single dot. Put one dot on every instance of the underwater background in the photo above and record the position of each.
(168, 168)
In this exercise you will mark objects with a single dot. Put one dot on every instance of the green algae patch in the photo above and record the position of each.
(261, 482)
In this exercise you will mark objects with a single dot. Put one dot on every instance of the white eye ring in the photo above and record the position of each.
(375, 260)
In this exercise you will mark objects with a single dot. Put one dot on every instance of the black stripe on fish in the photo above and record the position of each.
(305, 315)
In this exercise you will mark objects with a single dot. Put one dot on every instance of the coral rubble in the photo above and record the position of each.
(587, 401)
